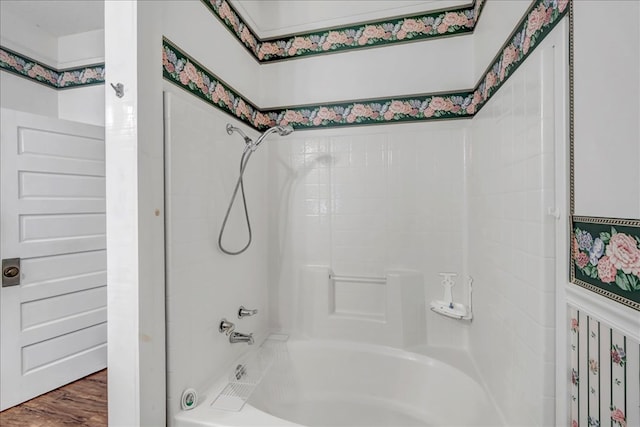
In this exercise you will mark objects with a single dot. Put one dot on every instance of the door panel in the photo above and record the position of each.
(53, 325)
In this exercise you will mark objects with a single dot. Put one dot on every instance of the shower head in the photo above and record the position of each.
(282, 131)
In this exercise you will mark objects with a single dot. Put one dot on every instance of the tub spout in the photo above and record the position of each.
(240, 337)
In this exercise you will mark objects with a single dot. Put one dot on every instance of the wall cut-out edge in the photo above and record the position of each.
(39, 72)
(539, 20)
(408, 28)
(583, 270)
(605, 257)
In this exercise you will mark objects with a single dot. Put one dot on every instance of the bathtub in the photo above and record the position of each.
(333, 383)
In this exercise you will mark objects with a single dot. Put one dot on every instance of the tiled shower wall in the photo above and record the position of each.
(511, 242)
(363, 201)
(203, 284)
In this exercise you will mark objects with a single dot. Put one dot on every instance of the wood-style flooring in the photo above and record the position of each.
(81, 403)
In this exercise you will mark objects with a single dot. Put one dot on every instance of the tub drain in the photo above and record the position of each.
(189, 399)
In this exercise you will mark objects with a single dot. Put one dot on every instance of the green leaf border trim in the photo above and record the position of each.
(538, 21)
(188, 74)
(413, 108)
(433, 24)
(182, 70)
(39, 72)
(596, 267)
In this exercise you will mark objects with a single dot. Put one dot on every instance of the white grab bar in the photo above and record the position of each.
(358, 279)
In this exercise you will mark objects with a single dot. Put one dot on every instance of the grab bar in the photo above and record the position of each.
(358, 279)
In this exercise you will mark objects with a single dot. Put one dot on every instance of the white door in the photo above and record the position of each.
(53, 324)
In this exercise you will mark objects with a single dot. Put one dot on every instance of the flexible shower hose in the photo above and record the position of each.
(239, 185)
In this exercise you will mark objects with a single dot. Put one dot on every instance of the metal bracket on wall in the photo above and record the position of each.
(119, 88)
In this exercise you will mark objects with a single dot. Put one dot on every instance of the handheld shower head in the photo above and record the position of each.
(282, 131)
(249, 148)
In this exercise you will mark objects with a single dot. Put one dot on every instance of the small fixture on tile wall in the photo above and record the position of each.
(189, 399)
(245, 312)
(226, 327)
(119, 89)
(446, 306)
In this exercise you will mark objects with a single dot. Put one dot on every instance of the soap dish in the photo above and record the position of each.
(453, 310)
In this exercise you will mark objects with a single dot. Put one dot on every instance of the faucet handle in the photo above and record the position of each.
(243, 312)
(226, 327)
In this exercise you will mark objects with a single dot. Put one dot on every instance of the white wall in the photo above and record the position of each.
(18, 93)
(607, 131)
(82, 104)
(404, 69)
(364, 201)
(511, 239)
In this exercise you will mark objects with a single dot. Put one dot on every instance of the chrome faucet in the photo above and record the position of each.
(235, 337)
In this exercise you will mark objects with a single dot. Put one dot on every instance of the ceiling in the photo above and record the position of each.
(268, 18)
(58, 17)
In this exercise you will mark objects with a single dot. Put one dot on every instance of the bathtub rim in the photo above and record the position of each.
(205, 416)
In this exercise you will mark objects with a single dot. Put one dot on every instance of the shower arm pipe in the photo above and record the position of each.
(231, 129)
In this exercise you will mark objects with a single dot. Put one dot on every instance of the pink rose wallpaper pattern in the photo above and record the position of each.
(182, 70)
(23, 66)
(603, 373)
(605, 257)
(447, 22)
(539, 20)
(186, 73)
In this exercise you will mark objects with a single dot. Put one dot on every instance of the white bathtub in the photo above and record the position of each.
(330, 383)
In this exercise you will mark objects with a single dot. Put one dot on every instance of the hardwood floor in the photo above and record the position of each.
(81, 403)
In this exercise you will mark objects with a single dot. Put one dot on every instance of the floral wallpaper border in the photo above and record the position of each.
(446, 22)
(605, 257)
(23, 66)
(603, 373)
(454, 105)
(182, 70)
(540, 19)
